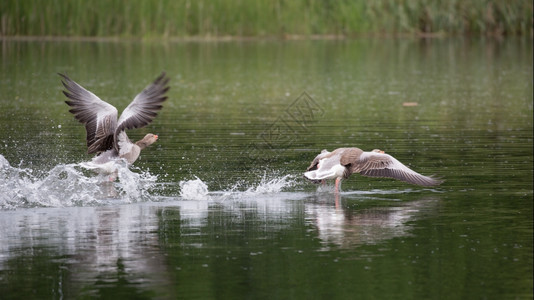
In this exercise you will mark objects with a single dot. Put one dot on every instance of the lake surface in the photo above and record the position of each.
(218, 208)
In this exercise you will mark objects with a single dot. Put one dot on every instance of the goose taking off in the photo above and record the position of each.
(106, 135)
(342, 162)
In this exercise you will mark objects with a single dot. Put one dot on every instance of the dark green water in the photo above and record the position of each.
(218, 208)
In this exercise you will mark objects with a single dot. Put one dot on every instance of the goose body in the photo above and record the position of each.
(343, 162)
(106, 133)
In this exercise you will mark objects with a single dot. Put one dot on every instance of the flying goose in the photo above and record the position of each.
(106, 135)
(342, 162)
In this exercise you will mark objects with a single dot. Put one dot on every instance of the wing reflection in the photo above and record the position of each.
(98, 244)
(340, 226)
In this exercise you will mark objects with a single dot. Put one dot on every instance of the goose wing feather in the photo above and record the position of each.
(374, 164)
(99, 117)
(145, 106)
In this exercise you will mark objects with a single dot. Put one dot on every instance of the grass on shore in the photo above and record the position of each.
(261, 18)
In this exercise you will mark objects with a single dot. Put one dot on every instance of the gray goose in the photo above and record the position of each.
(106, 135)
(342, 162)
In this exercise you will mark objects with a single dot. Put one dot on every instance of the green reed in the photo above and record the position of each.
(205, 18)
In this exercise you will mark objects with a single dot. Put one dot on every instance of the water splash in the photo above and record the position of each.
(271, 184)
(267, 184)
(69, 185)
(194, 189)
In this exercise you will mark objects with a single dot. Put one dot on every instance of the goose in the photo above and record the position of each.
(106, 135)
(342, 162)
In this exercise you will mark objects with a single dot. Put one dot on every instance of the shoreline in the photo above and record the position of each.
(210, 38)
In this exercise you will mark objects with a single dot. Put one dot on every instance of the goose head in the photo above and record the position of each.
(148, 140)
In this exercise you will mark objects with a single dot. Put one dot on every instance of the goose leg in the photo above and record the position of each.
(338, 180)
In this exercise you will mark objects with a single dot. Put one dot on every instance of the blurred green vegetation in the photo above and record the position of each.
(263, 18)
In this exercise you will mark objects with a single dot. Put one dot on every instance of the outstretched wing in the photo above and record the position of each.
(99, 117)
(315, 161)
(145, 106)
(328, 167)
(374, 164)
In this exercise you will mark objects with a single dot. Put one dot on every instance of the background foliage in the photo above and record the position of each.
(279, 18)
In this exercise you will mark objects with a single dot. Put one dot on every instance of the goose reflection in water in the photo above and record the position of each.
(346, 227)
(99, 244)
